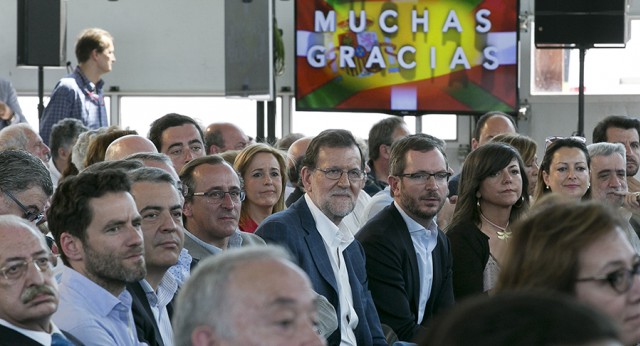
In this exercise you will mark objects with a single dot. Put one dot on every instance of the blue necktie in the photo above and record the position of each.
(58, 339)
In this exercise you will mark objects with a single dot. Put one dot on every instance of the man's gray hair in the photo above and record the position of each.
(607, 149)
(19, 171)
(15, 137)
(157, 157)
(203, 300)
(151, 175)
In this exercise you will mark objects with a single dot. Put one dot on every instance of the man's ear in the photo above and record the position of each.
(305, 177)
(71, 247)
(474, 144)
(203, 336)
(384, 151)
(214, 149)
(187, 209)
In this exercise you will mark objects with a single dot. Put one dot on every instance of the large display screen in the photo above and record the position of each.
(407, 56)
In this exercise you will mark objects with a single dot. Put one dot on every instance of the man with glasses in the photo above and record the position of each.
(25, 185)
(332, 174)
(28, 290)
(179, 137)
(212, 207)
(409, 261)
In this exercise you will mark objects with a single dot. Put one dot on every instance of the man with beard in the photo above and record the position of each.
(409, 262)
(160, 205)
(625, 130)
(332, 174)
(28, 297)
(96, 226)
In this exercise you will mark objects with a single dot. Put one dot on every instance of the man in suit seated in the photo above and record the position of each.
(332, 174)
(408, 257)
(28, 295)
(160, 205)
(212, 207)
(265, 298)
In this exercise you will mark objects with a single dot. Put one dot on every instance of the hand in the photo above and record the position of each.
(631, 200)
(5, 111)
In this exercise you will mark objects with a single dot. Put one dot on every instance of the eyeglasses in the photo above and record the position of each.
(620, 280)
(15, 270)
(217, 196)
(32, 214)
(335, 174)
(423, 177)
(552, 139)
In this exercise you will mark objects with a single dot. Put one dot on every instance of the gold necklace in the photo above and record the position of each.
(503, 233)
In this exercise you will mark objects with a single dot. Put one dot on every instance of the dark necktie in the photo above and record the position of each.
(58, 339)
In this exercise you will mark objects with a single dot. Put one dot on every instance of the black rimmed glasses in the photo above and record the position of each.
(353, 175)
(423, 177)
(217, 196)
(620, 280)
(15, 270)
(32, 214)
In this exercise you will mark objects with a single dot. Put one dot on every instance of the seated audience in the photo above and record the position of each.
(523, 319)
(64, 135)
(179, 137)
(580, 249)
(564, 168)
(493, 193)
(23, 137)
(527, 148)
(283, 311)
(262, 169)
(212, 207)
(97, 229)
(408, 258)
(29, 297)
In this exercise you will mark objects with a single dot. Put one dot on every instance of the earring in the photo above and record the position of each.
(547, 187)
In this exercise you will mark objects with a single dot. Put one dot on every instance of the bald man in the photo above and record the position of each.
(295, 154)
(127, 145)
(221, 137)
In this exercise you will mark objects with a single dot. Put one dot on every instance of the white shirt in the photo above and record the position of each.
(356, 219)
(335, 242)
(424, 241)
(54, 173)
(158, 301)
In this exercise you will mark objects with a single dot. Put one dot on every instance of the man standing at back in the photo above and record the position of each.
(381, 136)
(79, 95)
(97, 229)
(179, 137)
(409, 261)
(332, 174)
(488, 126)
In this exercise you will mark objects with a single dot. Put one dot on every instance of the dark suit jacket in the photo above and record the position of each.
(9, 337)
(146, 325)
(394, 280)
(295, 229)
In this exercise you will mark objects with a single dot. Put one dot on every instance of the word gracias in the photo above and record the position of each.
(316, 56)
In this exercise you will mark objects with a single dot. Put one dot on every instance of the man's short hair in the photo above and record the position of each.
(285, 142)
(70, 210)
(90, 39)
(488, 115)
(203, 300)
(382, 133)
(213, 138)
(420, 142)
(19, 171)
(123, 165)
(333, 138)
(619, 121)
(607, 149)
(170, 120)
(186, 174)
(151, 175)
(64, 134)
(157, 157)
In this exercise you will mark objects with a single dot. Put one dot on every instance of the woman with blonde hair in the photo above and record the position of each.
(492, 195)
(578, 248)
(527, 148)
(263, 170)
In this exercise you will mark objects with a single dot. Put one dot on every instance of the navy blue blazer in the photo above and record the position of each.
(394, 280)
(295, 229)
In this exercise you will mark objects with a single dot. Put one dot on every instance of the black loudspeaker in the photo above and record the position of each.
(42, 32)
(581, 22)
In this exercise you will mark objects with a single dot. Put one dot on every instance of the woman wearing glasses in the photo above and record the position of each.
(262, 168)
(564, 168)
(492, 194)
(577, 248)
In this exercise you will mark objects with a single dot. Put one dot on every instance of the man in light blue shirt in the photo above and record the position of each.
(96, 226)
(409, 261)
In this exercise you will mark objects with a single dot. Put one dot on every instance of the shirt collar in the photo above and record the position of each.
(330, 233)
(167, 288)
(412, 225)
(235, 240)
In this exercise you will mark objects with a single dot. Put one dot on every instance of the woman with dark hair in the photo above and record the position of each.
(262, 169)
(577, 248)
(527, 148)
(492, 194)
(564, 168)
